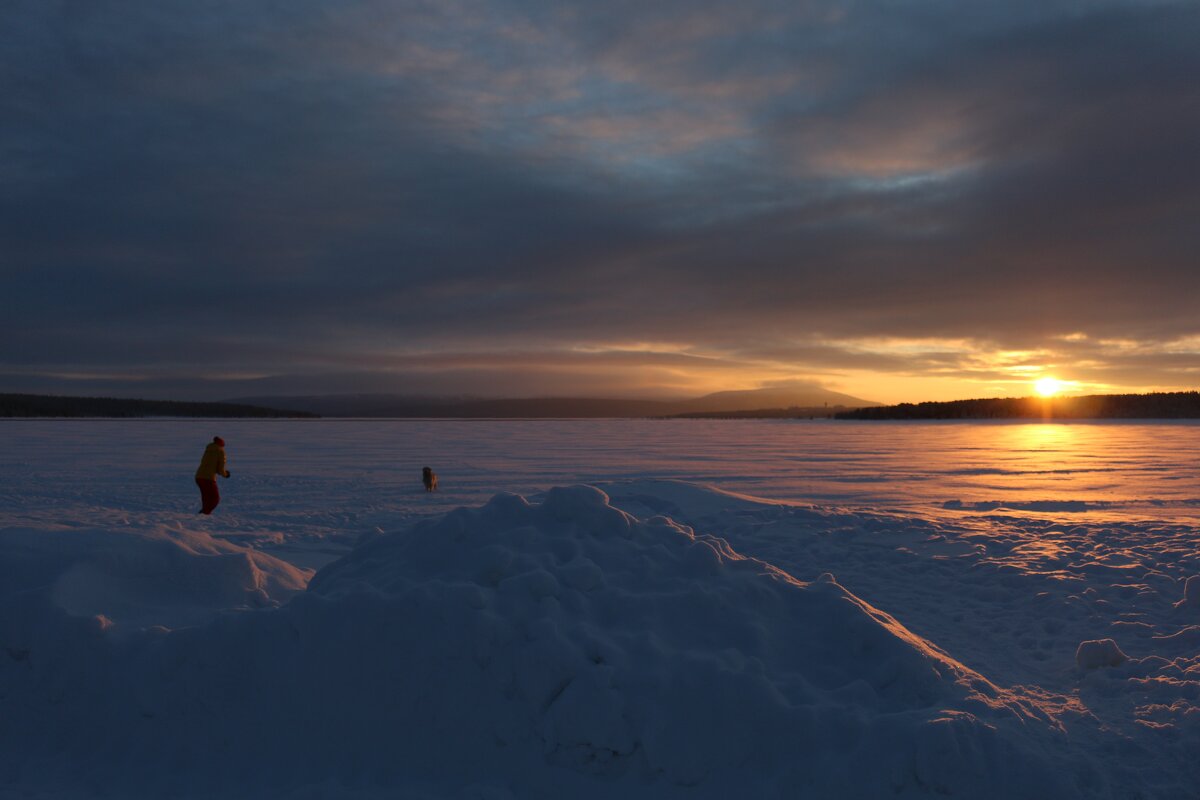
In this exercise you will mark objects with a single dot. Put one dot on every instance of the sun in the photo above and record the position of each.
(1048, 387)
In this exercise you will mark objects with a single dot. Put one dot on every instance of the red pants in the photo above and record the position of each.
(209, 496)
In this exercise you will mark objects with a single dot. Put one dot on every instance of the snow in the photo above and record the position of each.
(1191, 592)
(644, 634)
(1099, 653)
(143, 577)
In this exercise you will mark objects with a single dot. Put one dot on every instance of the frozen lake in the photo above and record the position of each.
(297, 468)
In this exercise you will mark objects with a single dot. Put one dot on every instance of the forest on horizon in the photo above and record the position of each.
(1158, 405)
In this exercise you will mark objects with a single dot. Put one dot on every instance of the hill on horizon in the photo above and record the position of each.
(751, 399)
(396, 405)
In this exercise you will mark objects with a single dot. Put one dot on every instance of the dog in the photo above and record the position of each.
(429, 478)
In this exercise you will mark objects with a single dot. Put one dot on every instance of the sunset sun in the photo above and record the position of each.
(1048, 387)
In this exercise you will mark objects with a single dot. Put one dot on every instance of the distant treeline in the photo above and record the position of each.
(38, 405)
(794, 412)
(1161, 405)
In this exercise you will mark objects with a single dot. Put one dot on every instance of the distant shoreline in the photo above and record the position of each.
(1153, 406)
(484, 420)
(750, 403)
(35, 406)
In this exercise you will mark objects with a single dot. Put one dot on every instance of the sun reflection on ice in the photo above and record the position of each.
(1051, 442)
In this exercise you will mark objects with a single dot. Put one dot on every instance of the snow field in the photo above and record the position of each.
(674, 640)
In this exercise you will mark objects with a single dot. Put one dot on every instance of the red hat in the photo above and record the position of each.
(218, 441)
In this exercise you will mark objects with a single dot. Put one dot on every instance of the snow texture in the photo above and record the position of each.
(640, 636)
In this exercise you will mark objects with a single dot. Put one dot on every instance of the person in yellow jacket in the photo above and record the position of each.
(212, 464)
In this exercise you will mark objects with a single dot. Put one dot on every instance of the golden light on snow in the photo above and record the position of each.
(1048, 387)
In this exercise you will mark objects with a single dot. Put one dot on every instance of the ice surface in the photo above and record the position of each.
(287, 471)
(674, 639)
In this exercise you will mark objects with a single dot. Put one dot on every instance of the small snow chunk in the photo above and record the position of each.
(1099, 653)
(1191, 591)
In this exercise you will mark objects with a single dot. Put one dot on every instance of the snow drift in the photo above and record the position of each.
(156, 576)
(563, 648)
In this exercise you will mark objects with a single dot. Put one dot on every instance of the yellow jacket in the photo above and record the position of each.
(213, 463)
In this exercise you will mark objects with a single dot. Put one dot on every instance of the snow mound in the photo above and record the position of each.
(563, 648)
(157, 576)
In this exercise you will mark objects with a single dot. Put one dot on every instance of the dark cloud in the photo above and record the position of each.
(288, 188)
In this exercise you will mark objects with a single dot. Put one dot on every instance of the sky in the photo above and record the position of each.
(904, 201)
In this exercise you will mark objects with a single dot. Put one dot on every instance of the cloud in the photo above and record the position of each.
(277, 188)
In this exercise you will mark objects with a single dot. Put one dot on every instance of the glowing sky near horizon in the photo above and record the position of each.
(898, 201)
